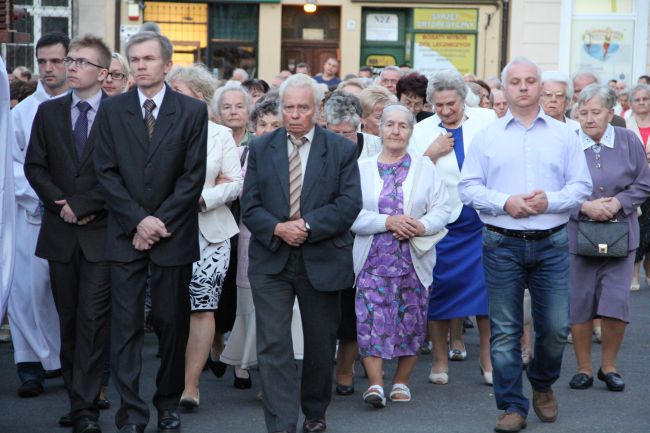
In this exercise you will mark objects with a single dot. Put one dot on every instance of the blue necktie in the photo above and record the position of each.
(81, 127)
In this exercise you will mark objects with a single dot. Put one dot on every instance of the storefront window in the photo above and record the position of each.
(233, 38)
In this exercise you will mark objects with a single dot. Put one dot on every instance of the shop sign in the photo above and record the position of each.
(382, 27)
(435, 51)
(446, 19)
(380, 60)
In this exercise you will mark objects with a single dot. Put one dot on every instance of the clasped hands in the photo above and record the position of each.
(404, 227)
(294, 232)
(602, 209)
(149, 231)
(68, 215)
(524, 205)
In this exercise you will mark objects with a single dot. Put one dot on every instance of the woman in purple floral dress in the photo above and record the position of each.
(403, 198)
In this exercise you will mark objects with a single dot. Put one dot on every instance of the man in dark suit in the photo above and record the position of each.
(150, 160)
(60, 168)
(301, 196)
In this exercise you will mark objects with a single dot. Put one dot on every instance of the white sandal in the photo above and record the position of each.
(439, 378)
(400, 389)
(374, 396)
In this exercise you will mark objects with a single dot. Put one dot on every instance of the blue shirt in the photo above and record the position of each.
(509, 159)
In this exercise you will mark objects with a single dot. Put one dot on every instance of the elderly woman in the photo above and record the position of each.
(256, 88)
(639, 123)
(117, 80)
(458, 288)
(599, 286)
(373, 100)
(557, 92)
(232, 107)
(404, 202)
(342, 114)
(412, 93)
(216, 227)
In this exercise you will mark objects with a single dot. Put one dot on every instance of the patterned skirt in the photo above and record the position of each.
(208, 274)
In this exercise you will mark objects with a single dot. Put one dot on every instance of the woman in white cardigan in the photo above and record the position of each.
(404, 204)
(216, 226)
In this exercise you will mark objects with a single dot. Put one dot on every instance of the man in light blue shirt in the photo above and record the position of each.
(523, 175)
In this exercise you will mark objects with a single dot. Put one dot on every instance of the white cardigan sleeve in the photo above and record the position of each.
(369, 223)
(219, 195)
(437, 212)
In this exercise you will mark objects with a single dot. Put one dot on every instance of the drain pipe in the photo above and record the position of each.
(505, 22)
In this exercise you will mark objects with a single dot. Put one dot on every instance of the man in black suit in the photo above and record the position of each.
(150, 161)
(60, 168)
(301, 196)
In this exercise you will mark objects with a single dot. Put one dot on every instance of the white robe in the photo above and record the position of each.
(7, 199)
(33, 318)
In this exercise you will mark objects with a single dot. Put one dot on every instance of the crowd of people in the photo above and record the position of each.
(319, 219)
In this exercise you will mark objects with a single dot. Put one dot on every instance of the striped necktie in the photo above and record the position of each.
(295, 177)
(149, 120)
(81, 127)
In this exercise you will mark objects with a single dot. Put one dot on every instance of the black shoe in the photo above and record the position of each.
(613, 380)
(30, 388)
(102, 403)
(51, 374)
(169, 419)
(581, 381)
(86, 425)
(242, 382)
(131, 428)
(314, 425)
(218, 368)
(344, 389)
(65, 421)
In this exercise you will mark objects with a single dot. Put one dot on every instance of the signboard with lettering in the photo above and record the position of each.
(382, 27)
(465, 20)
(433, 52)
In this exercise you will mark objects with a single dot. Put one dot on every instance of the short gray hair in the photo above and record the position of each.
(586, 74)
(397, 107)
(391, 68)
(217, 100)
(343, 107)
(166, 47)
(521, 60)
(447, 79)
(196, 77)
(301, 80)
(637, 88)
(607, 95)
(559, 77)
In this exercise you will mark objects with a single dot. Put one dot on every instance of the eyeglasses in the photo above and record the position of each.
(116, 76)
(558, 95)
(55, 62)
(302, 109)
(80, 63)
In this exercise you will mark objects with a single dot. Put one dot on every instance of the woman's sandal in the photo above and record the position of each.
(400, 393)
(374, 396)
(438, 378)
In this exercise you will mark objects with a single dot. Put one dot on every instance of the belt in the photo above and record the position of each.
(531, 235)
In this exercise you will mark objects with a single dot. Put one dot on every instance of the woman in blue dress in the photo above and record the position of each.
(458, 288)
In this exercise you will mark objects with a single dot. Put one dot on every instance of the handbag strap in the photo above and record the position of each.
(416, 178)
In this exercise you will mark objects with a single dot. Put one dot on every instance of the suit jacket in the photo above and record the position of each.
(329, 202)
(428, 130)
(55, 172)
(163, 178)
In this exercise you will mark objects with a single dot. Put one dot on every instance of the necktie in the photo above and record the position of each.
(149, 120)
(295, 177)
(81, 127)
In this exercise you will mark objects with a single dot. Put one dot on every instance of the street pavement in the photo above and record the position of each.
(465, 405)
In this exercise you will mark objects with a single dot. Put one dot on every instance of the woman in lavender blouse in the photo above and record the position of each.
(600, 287)
(403, 197)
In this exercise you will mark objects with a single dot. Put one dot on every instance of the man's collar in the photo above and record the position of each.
(309, 135)
(606, 140)
(509, 118)
(157, 98)
(93, 100)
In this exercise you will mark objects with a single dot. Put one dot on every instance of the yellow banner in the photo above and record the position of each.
(434, 52)
(445, 19)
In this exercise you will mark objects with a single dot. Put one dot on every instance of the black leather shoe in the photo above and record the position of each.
(242, 382)
(169, 419)
(344, 389)
(314, 425)
(102, 403)
(218, 368)
(30, 388)
(131, 428)
(581, 381)
(65, 421)
(613, 380)
(51, 374)
(86, 425)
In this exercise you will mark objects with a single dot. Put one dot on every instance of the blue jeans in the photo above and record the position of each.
(512, 265)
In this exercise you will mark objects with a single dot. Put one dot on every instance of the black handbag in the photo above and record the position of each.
(603, 239)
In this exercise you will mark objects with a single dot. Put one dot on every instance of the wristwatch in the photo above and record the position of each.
(307, 227)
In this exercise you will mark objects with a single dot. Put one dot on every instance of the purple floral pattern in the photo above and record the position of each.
(391, 303)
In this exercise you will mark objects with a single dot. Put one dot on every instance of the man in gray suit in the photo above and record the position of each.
(301, 196)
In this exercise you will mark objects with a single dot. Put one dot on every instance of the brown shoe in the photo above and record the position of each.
(509, 422)
(545, 405)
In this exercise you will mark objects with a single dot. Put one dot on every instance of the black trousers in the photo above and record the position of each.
(273, 296)
(170, 309)
(82, 295)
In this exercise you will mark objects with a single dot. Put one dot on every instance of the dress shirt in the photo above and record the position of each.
(157, 98)
(606, 140)
(304, 150)
(94, 106)
(509, 159)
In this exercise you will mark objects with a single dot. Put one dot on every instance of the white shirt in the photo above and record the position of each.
(304, 150)
(157, 99)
